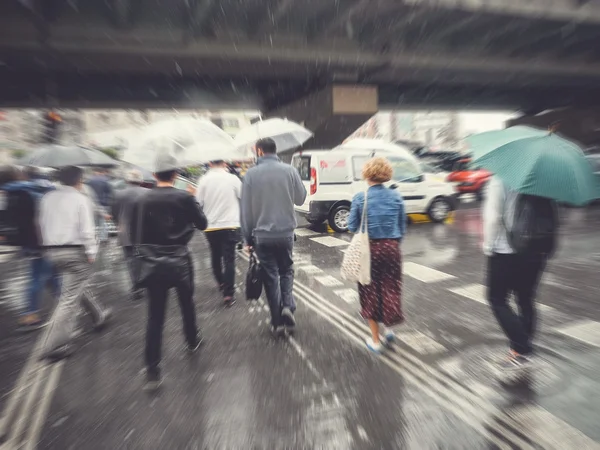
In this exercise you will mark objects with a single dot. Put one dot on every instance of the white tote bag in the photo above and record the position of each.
(356, 265)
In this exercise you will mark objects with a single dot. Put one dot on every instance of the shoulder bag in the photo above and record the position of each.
(356, 265)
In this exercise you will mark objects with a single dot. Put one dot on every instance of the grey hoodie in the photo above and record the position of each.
(269, 193)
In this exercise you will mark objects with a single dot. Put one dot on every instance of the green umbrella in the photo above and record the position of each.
(482, 143)
(538, 163)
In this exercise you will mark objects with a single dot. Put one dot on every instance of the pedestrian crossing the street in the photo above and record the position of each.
(586, 331)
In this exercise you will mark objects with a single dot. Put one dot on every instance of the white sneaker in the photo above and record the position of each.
(389, 335)
(373, 347)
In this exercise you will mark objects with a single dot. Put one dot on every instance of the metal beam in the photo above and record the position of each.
(346, 17)
(586, 13)
(270, 22)
(200, 11)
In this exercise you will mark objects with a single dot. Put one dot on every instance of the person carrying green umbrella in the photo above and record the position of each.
(533, 171)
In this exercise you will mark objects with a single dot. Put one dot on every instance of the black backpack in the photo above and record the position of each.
(534, 229)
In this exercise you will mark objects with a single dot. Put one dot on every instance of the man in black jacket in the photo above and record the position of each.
(124, 202)
(169, 218)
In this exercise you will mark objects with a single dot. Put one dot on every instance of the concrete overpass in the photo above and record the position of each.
(329, 63)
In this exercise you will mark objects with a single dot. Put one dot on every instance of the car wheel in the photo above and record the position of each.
(338, 218)
(439, 210)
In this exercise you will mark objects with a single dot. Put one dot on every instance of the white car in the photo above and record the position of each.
(333, 177)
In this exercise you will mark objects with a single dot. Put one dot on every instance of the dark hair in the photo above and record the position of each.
(70, 175)
(217, 162)
(267, 145)
(166, 176)
(32, 173)
(8, 174)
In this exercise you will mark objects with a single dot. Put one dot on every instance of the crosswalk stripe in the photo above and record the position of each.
(425, 274)
(348, 295)
(586, 331)
(419, 342)
(330, 241)
(303, 232)
(310, 269)
(477, 292)
(328, 280)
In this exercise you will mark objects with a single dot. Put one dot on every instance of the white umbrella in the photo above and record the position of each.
(205, 153)
(174, 137)
(379, 145)
(286, 134)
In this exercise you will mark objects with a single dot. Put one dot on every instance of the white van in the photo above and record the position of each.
(333, 177)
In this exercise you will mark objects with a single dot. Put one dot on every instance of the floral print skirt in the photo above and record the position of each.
(382, 299)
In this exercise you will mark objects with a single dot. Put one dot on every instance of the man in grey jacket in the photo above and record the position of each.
(269, 193)
(125, 201)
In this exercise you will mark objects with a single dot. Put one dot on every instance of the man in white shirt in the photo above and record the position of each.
(510, 271)
(219, 194)
(69, 242)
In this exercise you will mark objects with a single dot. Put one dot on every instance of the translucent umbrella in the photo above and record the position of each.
(205, 153)
(57, 156)
(175, 137)
(286, 134)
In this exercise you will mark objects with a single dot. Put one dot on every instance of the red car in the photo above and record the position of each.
(469, 179)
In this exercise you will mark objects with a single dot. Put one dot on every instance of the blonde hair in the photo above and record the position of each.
(378, 170)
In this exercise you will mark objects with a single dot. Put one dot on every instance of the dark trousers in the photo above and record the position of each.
(128, 255)
(180, 278)
(519, 274)
(276, 260)
(222, 249)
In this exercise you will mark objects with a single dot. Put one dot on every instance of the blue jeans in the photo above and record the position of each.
(276, 260)
(42, 271)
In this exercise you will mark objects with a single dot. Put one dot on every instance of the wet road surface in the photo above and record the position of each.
(321, 388)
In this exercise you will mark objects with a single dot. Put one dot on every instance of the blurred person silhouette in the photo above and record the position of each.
(269, 192)
(24, 194)
(122, 207)
(510, 270)
(381, 301)
(163, 222)
(219, 193)
(100, 184)
(68, 241)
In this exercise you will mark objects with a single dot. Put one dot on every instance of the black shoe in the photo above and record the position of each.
(59, 354)
(153, 382)
(105, 317)
(278, 331)
(191, 349)
(229, 302)
(138, 295)
(287, 317)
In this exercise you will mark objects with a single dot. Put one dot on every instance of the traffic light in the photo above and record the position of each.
(51, 125)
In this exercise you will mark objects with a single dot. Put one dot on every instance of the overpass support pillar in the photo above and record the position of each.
(579, 124)
(333, 113)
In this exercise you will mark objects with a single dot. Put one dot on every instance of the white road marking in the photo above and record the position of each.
(302, 232)
(477, 292)
(419, 342)
(328, 280)
(348, 295)
(425, 274)
(310, 269)
(330, 241)
(586, 331)
(549, 430)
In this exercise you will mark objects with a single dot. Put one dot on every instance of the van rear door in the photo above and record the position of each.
(302, 164)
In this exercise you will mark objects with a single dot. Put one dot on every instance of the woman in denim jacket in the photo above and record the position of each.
(380, 301)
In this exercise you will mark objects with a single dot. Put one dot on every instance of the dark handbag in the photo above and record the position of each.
(254, 281)
(143, 263)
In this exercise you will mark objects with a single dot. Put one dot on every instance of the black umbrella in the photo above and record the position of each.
(60, 156)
